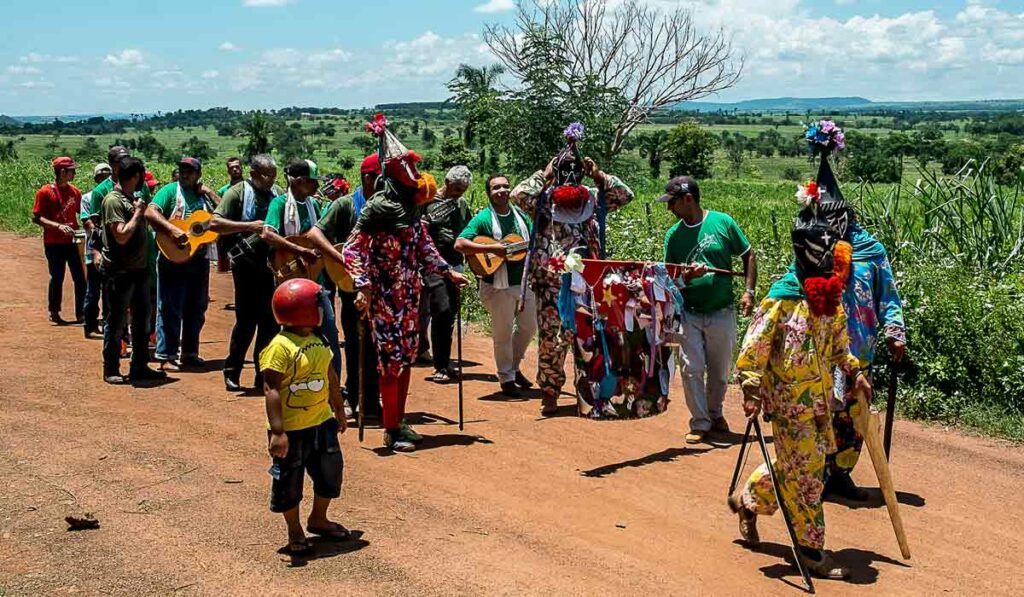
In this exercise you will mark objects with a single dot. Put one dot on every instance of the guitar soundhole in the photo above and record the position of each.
(196, 230)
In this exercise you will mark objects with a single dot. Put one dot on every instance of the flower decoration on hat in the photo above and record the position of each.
(808, 194)
(568, 193)
(574, 132)
(825, 137)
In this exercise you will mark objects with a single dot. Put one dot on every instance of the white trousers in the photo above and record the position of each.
(511, 332)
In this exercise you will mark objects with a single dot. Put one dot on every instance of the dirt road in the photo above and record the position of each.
(515, 505)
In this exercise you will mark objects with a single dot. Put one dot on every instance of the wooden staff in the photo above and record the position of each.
(867, 423)
(458, 348)
(890, 408)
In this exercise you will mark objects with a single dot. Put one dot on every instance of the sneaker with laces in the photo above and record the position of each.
(393, 440)
(695, 436)
(720, 425)
(409, 433)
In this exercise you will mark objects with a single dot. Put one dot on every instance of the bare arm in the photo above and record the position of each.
(323, 245)
(47, 223)
(278, 439)
(222, 225)
(123, 231)
(276, 240)
(337, 403)
(468, 247)
(156, 219)
(750, 273)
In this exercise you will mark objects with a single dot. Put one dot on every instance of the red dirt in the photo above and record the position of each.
(177, 477)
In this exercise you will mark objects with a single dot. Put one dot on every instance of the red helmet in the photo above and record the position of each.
(297, 303)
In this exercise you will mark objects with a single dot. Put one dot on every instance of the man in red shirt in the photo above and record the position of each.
(56, 210)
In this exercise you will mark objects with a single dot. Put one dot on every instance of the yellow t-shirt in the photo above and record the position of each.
(304, 362)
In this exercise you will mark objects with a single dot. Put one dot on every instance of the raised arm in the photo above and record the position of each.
(525, 193)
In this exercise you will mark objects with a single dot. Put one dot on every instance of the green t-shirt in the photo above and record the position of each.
(232, 203)
(101, 190)
(714, 242)
(275, 214)
(133, 255)
(166, 198)
(480, 225)
(337, 221)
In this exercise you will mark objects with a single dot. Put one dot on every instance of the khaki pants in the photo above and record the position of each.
(510, 331)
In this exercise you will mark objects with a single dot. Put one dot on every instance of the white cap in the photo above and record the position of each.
(100, 168)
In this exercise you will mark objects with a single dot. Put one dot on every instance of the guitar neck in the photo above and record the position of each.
(517, 247)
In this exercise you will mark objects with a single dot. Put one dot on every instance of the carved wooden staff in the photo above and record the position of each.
(361, 326)
(868, 425)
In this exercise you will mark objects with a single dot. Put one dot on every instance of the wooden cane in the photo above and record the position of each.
(361, 326)
(890, 408)
(782, 506)
(867, 423)
(458, 348)
(741, 458)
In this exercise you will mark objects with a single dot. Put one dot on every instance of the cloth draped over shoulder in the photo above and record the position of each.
(382, 213)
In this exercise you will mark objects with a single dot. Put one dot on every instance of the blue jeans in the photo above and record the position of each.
(329, 331)
(183, 294)
(707, 354)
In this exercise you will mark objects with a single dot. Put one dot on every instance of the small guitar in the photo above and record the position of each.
(197, 227)
(338, 273)
(485, 264)
(287, 265)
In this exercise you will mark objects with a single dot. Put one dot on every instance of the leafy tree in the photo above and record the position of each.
(151, 148)
(8, 152)
(256, 126)
(346, 162)
(1009, 168)
(735, 150)
(290, 143)
(690, 150)
(366, 144)
(91, 151)
(652, 145)
(429, 137)
(867, 159)
(474, 90)
(198, 148)
(453, 153)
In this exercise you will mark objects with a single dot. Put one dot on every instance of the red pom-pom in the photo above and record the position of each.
(824, 295)
(570, 196)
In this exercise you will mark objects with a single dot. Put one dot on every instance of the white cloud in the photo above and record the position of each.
(495, 6)
(36, 84)
(33, 57)
(228, 47)
(127, 57)
(264, 3)
(210, 74)
(23, 70)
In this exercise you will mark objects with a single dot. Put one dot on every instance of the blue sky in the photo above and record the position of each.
(78, 57)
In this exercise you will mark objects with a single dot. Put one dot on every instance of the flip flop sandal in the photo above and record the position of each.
(336, 532)
(439, 377)
(300, 547)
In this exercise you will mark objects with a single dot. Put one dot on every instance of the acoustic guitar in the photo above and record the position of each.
(197, 227)
(485, 264)
(288, 265)
(338, 273)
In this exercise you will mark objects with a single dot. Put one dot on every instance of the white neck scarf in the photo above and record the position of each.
(292, 223)
(501, 280)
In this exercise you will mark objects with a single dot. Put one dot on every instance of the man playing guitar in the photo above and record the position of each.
(183, 289)
(511, 330)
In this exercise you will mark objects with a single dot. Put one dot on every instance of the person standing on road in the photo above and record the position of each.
(304, 415)
(567, 220)
(794, 341)
(239, 218)
(234, 166)
(56, 211)
(446, 216)
(511, 330)
(93, 275)
(125, 262)
(183, 289)
(711, 238)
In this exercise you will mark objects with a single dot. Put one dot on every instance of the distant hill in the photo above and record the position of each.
(8, 121)
(849, 104)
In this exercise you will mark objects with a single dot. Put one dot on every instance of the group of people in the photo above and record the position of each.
(404, 242)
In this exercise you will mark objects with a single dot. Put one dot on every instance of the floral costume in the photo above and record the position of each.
(786, 359)
(391, 264)
(872, 303)
(553, 238)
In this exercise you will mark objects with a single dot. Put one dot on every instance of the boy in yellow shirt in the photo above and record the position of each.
(304, 414)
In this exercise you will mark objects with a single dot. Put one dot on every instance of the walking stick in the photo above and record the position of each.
(890, 408)
(741, 459)
(361, 326)
(458, 349)
(867, 424)
(782, 506)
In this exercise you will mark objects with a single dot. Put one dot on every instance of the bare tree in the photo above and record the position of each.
(654, 59)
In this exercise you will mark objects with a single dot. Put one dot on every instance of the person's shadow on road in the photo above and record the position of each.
(858, 561)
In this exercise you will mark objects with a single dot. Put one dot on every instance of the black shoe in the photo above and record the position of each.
(194, 362)
(89, 330)
(257, 383)
(510, 389)
(522, 382)
(56, 319)
(841, 485)
(146, 374)
(231, 384)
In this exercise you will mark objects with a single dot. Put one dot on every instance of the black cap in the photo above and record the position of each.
(679, 187)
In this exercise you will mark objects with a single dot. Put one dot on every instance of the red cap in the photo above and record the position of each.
(370, 165)
(150, 180)
(63, 163)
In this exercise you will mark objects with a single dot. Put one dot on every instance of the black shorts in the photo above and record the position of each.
(314, 450)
